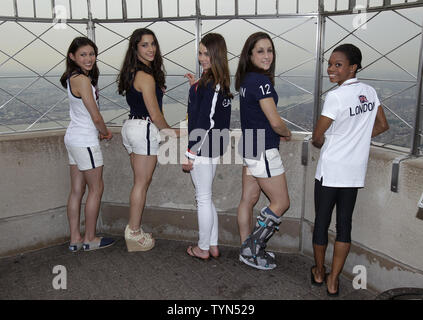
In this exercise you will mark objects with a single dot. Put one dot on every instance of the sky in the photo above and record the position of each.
(294, 39)
(295, 49)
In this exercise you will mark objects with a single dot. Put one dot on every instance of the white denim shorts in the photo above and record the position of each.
(269, 165)
(140, 137)
(85, 158)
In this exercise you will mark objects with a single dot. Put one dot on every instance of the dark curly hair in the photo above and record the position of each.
(131, 64)
(352, 53)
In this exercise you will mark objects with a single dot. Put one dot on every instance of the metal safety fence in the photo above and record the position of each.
(389, 33)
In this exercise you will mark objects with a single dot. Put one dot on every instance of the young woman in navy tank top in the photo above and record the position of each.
(82, 142)
(142, 80)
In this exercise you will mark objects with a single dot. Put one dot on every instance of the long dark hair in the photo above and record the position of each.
(219, 68)
(131, 64)
(245, 65)
(72, 67)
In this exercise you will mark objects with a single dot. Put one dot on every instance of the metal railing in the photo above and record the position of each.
(103, 15)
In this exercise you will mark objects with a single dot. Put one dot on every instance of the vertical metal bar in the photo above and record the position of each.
(34, 9)
(106, 4)
(320, 33)
(53, 12)
(15, 8)
(215, 7)
(304, 150)
(277, 7)
(160, 8)
(70, 9)
(236, 8)
(396, 171)
(177, 8)
(141, 9)
(255, 8)
(418, 119)
(124, 11)
(90, 23)
(297, 6)
(351, 5)
(197, 36)
(197, 8)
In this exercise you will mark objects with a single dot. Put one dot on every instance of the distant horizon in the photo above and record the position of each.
(395, 34)
(311, 74)
(296, 47)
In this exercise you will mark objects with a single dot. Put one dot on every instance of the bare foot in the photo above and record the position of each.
(332, 284)
(196, 252)
(214, 251)
(319, 275)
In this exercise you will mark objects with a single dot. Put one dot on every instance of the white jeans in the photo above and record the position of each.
(202, 176)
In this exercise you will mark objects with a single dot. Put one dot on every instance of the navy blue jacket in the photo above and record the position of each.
(209, 116)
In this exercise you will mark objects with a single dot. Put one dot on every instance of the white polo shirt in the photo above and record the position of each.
(345, 152)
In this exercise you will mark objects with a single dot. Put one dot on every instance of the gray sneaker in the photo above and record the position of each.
(263, 261)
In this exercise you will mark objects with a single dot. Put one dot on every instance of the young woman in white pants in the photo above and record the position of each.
(209, 112)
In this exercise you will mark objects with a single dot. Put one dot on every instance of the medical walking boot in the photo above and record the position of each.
(253, 251)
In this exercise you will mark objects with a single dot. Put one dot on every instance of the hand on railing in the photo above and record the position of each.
(106, 137)
(190, 77)
(286, 138)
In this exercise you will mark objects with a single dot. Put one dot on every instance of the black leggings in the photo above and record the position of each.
(325, 199)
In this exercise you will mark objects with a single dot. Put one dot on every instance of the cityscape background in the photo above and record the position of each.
(32, 60)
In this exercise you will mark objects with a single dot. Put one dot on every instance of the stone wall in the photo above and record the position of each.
(387, 236)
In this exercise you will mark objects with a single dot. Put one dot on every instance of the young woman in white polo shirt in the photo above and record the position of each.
(82, 143)
(351, 116)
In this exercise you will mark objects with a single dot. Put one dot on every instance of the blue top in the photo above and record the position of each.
(209, 114)
(136, 103)
(254, 87)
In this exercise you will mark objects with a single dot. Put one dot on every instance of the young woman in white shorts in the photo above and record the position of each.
(82, 143)
(142, 81)
(262, 130)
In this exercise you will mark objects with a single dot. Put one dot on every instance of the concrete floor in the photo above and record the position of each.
(164, 273)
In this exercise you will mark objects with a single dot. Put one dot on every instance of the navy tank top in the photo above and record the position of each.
(136, 103)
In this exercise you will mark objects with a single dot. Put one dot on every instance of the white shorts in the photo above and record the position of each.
(85, 158)
(140, 137)
(269, 165)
